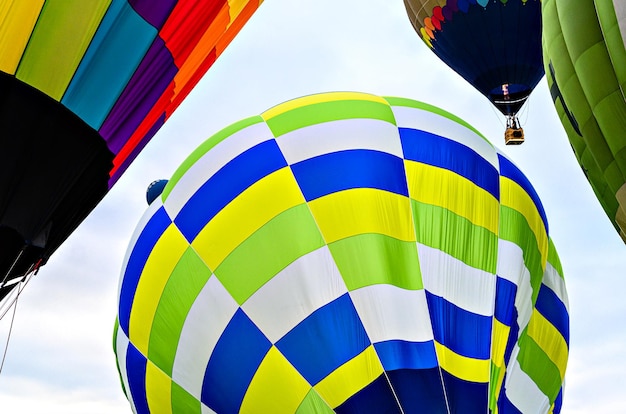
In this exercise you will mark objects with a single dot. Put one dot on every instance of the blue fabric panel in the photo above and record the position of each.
(512, 340)
(431, 149)
(116, 50)
(463, 332)
(551, 307)
(505, 301)
(137, 259)
(376, 397)
(509, 170)
(136, 371)
(325, 340)
(558, 403)
(505, 406)
(419, 391)
(396, 354)
(235, 359)
(226, 184)
(329, 173)
(465, 397)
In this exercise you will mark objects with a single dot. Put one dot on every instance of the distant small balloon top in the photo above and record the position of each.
(154, 190)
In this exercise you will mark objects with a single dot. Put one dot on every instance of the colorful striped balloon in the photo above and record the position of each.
(344, 252)
(84, 85)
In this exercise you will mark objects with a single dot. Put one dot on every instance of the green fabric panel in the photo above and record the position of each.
(539, 367)
(455, 235)
(183, 286)
(369, 259)
(611, 115)
(396, 101)
(553, 258)
(60, 38)
(515, 228)
(116, 326)
(205, 147)
(613, 37)
(313, 404)
(493, 383)
(183, 402)
(329, 111)
(268, 251)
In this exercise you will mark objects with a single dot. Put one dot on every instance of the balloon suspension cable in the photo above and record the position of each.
(6, 275)
(13, 303)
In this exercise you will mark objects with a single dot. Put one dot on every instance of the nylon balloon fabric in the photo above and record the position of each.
(84, 85)
(494, 45)
(347, 253)
(585, 60)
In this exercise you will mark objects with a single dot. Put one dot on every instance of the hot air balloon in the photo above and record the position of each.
(347, 253)
(585, 61)
(84, 85)
(494, 45)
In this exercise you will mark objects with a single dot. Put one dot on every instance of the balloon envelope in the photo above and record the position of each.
(84, 85)
(585, 59)
(344, 252)
(494, 45)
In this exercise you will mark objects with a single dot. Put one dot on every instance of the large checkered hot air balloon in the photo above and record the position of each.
(344, 253)
(84, 85)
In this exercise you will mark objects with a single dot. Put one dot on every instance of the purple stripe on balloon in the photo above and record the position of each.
(154, 12)
(447, 13)
(147, 85)
(452, 4)
(138, 148)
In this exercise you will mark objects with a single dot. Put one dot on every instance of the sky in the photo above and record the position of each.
(60, 357)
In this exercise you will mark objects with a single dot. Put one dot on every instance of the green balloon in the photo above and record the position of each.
(585, 63)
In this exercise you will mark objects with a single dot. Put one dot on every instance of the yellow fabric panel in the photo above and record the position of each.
(497, 379)
(469, 369)
(549, 340)
(441, 187)
(159, 266)
(513, 195)
(276, 387)
(363, 210)
(254, 207)
(158, 390)
(350, 378)
(17, 19)
(499, 339)
(319, 98)
(236, 6)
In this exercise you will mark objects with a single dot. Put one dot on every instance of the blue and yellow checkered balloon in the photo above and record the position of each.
(347, 253)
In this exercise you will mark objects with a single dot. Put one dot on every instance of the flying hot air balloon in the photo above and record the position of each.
(585, 62)
(494, 45)
(84, 85)
(346, 253)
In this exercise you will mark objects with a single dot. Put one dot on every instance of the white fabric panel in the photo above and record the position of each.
(327, 137)
(512, 268)
(207, 318)
(147, 215)
(554, 281)
(407, 117)
(212, 161)
(467, 287)
(307, 284)
(206, 410)
(121, 349)
(522, 391)
(389, 312)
